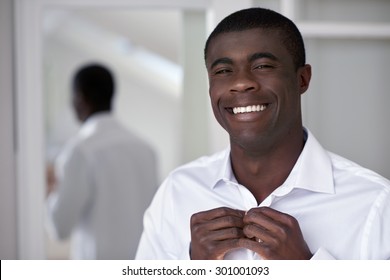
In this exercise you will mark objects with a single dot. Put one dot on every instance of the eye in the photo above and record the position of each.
(263, 66)
(222, 71)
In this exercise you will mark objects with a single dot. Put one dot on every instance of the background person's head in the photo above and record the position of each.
(253, 18)
(93, 91)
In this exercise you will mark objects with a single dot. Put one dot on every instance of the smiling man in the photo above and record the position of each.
(275, 193)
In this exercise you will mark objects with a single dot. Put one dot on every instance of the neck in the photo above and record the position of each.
(261, 172)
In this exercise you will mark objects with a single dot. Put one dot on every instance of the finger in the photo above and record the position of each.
(253, 231)
(272, 214)
(258, 217)
(216, 213)
(219, 223)
(270, 219)
(226, 233)
(226, 222)
(268, 225)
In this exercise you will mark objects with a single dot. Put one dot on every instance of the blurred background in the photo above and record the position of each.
(155, 49)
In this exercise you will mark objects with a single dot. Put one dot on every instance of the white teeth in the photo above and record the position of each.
(249, 109)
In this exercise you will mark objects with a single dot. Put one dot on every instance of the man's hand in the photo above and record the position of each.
(215, 232)
(274, 235)
(51, 179)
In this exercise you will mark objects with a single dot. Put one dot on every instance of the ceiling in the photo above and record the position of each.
(158, 31)
(143, 43)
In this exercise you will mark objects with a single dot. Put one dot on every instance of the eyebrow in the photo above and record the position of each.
(223, 60)
(253, 57)
(260, 55)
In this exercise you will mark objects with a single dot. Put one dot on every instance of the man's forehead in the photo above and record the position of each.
(260, 34)
(257, 39)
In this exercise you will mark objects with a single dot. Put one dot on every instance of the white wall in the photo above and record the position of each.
(8, 227)
(346, 105)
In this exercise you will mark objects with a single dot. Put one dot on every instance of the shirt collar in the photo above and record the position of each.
(90, 125)
(312, 171)
(314, 167)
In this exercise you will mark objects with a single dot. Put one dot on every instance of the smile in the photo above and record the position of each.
(249, 109)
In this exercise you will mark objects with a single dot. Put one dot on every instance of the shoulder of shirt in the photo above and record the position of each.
(352, 169)
(110, 127)
(205, 166)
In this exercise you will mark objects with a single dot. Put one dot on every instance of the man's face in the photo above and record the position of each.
(254, 86)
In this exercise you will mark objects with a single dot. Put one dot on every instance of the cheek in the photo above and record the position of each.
(217, 87)
(214, 100)
(214, 94)
(215, 105)
(289, 105)
(286, 89)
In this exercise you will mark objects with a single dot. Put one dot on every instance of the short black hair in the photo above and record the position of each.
(263, 18)
(96, 84)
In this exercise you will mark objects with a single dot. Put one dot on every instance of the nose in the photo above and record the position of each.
(244, 81)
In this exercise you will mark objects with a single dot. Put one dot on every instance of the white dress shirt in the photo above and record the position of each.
(106, 179)
(343, 209)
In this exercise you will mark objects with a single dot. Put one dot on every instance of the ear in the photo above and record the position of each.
(81, 107)
(304, 76)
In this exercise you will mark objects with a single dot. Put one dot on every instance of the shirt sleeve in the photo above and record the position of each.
(375, 240)
(322, 254)
(66, 204)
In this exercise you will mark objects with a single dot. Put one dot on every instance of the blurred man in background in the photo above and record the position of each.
(103, 179)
